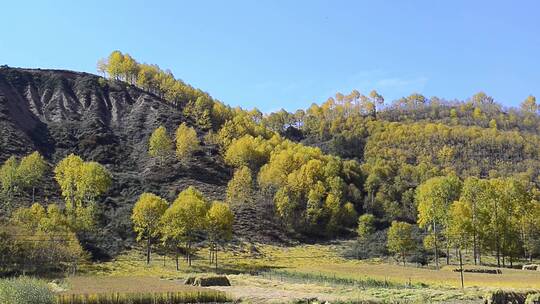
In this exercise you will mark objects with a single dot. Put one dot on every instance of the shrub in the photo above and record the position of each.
(533, 298)
(24, 290)
(504, 297)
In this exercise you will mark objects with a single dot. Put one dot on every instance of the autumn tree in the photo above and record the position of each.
(378, 101)
(460, 225)
(31, 170)
(248, 151)
(160, 145)
(240, 188)
(185, 220)
(114, 64)
(146, 217)
(433, 199)
(529, 105)
(67, 174)
(94, 181)
(43, 238)
(400, 239)
(81, 183)
(366, 226)
(186, 143)
(471, 195)
(29, 218)
(102, 66)
(10, 181)
(219, 227)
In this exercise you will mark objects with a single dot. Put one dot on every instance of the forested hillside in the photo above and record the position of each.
(307, 174)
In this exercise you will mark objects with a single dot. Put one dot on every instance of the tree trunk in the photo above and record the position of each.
(216, 257)
(447, 254)
(461, 269)
(436, 246)
(498, 252)
(189, 254)
(479, 255)
(176, 258)
(475, 253)
(33, 195)
(148, 244)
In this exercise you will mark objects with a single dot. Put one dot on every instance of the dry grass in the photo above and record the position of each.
(243, 261)
(124, 284)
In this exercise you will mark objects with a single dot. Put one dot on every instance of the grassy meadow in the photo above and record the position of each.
(262, 272)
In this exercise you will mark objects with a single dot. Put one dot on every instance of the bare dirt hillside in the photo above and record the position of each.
(61, 112)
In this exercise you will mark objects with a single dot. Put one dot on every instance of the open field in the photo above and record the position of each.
(265, 273)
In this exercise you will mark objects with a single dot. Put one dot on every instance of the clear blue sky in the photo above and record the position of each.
(273, 54)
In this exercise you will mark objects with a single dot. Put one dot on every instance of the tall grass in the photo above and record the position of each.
(207, 296)
(332, 279)
(24, 290)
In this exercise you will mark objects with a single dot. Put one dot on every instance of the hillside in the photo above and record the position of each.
(62, 112)
(371, 157)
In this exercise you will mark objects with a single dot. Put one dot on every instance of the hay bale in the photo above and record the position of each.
(211, 281)
(533, 298)
(531, 267)
(476, 270)
(507, 297)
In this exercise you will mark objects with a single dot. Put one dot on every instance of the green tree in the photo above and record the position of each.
(81, 183)
(146, 216)
(349, 216)
(529, 105)
(400, 239)
(186, 142)
(219, 226)
(31, 170)
(67, 174)
(240, 188)
(10, 182)
(160, 145)
(185, 219)
(471, 194)
(366, 226)
(248, 151)
(460, 228)
(94, 180)
(29, 218)
(433, 199)
(378, 101)
(332, 206)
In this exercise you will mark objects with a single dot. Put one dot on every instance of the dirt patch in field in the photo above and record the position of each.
(253, 294)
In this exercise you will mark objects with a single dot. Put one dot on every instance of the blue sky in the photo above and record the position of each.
(273, 54)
